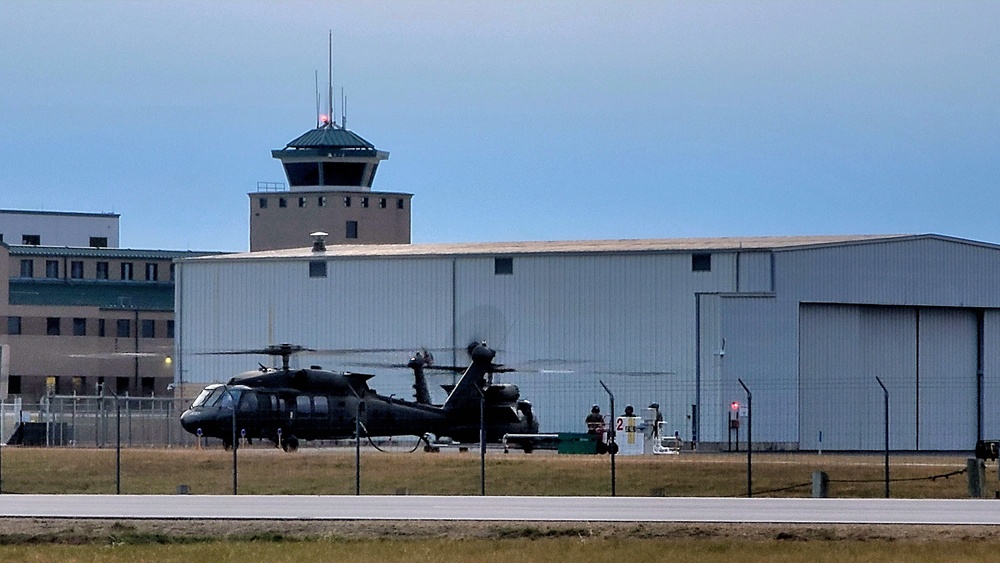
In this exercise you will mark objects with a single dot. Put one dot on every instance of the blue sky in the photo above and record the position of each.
(515, 120)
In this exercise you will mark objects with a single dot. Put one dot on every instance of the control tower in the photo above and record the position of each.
(330, 171)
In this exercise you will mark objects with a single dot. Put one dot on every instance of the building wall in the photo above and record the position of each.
(807, 341)
(59, 229)
(273, 226)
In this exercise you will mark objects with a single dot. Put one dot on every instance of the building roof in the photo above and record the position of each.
(144, 296)
(91, 252)
(722, 244)
(58, 213)
(329, 137)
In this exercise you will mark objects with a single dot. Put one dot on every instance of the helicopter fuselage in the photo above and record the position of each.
(282, 405)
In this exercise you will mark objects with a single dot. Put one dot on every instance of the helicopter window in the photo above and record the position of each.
(228, 398)
(321, 406)
(317, 269)
(202, 397)
(249, 402)
(303, 405)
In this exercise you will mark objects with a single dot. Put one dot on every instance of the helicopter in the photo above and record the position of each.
(284, 405)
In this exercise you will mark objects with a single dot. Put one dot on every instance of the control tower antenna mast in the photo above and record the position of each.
(333, 119)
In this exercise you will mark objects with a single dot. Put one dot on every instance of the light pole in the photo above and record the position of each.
(482, 441)
(357, 441)
(885, 397)
(749, 438)
(118, 444)
(613, 445)
(233, 400)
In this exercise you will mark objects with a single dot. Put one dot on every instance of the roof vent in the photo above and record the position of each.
(319, 241)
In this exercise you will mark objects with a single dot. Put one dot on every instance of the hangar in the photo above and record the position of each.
(807, 323)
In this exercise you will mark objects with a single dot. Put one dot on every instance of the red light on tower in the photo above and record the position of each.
(324, 119)
(735, 406)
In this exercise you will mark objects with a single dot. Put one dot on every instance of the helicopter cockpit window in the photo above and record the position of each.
(202, 398)
(321, 406)
(228, 398)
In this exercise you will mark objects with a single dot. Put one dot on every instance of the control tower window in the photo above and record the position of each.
(347, 201)
(399, 203)
(99, 242)
(381, 202)
(343, 173)
(364, 202)
(302, 173)
(282, 202)
(352, 229)
(321, 201)
(31, 239)
(302, 202)
(262, 202)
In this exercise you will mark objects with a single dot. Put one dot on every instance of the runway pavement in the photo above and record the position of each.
(493, 508)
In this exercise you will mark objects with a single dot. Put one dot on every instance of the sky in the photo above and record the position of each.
(541, 120)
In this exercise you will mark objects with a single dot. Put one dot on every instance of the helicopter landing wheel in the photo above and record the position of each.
(290, 444)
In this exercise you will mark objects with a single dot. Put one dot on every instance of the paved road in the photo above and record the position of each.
(567, 509)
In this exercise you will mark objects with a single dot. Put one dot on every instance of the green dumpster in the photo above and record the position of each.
(577, 443)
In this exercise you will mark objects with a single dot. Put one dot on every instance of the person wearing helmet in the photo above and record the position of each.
(595, 422)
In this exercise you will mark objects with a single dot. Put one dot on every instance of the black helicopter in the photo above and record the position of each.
(285, 405)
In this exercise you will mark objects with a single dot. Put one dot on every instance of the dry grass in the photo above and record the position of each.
(332, 471)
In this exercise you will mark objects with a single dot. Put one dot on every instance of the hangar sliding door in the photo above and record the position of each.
(842, 348)
(926, 357)
(947, 417)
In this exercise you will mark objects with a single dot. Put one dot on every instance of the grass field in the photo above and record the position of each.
(332, 471)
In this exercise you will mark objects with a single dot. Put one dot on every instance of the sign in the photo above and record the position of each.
(629, 435)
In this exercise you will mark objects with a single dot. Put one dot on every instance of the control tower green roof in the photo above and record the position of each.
(330, 137)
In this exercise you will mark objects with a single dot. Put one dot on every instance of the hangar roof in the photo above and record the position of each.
(722, 244)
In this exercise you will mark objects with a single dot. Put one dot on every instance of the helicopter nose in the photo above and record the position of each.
(191, 420)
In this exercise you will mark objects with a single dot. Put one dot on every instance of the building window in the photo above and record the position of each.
(262, 202)
(101, 330)
(503, 266)
(52, 269)
(13, 325)
(399, 203)
(302, 202)
(124, 328)
(14, 385)
(321, 201)
(282, 202)
(76, 269)
(170, 329)
(147, 385)
(381, 202)
(31, 239)
(102, 271)
(364, 202)
(152, 271)
(347, 201)
(127, 271)
(148, 328)
(172, 271)
(121, 385)
(52, 326)
(79, 327)
(27, 268)
(99, 242)
(317, 269)
(701, 262)
(352, 229)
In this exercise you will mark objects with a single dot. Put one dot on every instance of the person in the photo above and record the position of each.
(595, 422)
(629, 411)
(658, 420)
